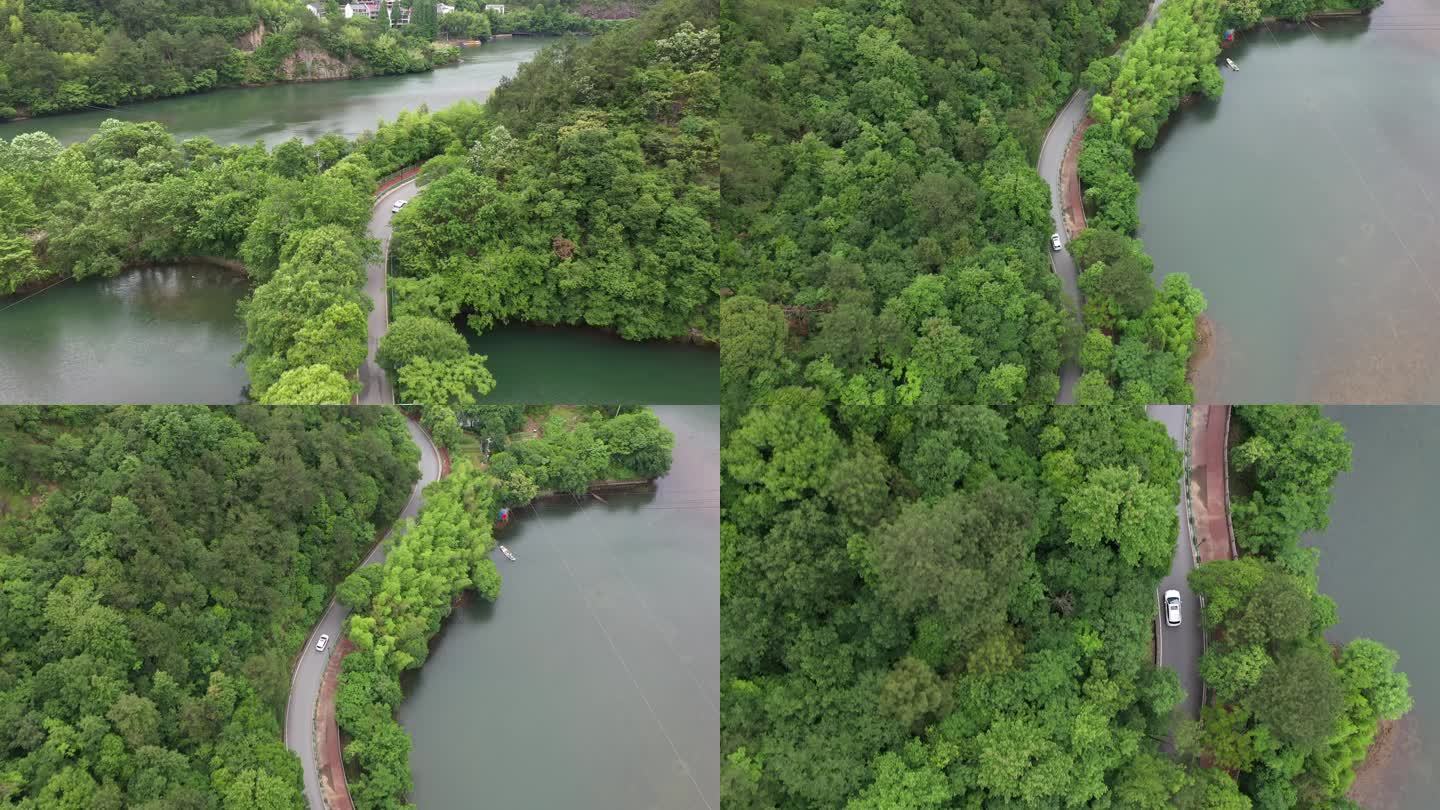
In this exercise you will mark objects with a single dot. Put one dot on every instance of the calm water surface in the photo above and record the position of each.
(1378, 560)
(157, 335)
(1305, 203)
(306, 110)
(594, 680)
(574, 365)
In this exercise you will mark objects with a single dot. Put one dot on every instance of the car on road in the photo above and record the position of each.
(1055, 241)
(320, 645)
(395, 209)
(1172, 608)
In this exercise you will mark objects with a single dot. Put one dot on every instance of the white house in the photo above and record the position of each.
(371, 9)
(316, 10)
(442, 9)
(497, 8)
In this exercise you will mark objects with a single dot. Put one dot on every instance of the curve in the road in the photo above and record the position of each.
(1049, 165)
(309, 671)
(375, 387)
(1052, 158)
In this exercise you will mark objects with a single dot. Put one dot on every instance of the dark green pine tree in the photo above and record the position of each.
(424, 18)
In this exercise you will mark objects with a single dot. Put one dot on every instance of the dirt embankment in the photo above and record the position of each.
(314, 65)
(1392, 761)
(251, 40)
(1072, 196)
(1209, 483)
(608, 11)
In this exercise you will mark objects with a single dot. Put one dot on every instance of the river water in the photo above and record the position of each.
(1378, 561)
(306, 110)
(565, 364)
(157, 335)
(593, 681)
(1305, 203)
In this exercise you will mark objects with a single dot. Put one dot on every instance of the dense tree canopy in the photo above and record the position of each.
(963, 613)
(159, 567)
(881, 200)
(1284, 468)
(597, 210)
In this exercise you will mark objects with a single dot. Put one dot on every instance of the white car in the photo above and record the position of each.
(1054, 241)
(1172, 608)
(395, 209)
(320, 645)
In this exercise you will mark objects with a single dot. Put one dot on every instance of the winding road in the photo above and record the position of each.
(1052, 155)
(375, 384)
(310, 669)
(1180, 647)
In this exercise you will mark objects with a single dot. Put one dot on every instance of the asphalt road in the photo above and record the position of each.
(1180, 647)
(375, 385)
(305, 680)
(1052, 153)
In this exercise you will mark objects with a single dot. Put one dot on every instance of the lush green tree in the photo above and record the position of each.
(310, 385)
(412, 336)
(1290, 457)
(638, 442)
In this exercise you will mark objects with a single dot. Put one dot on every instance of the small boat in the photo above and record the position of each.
(1231, 64)
(506, 552)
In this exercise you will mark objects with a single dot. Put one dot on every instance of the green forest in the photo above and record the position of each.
(63, 55)
(159, 567)
(131, 194)
(965, 613)
(294, 217)
(1292, 714)
(967, 622)
(964, 618)
(588, 198)
(400, 604)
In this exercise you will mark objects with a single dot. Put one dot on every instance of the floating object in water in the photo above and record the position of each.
(506, 552)
(1231, 63)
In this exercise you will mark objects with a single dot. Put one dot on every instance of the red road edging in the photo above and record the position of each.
(330, 758)
(329, 754)
(396, 179)
(1072, 197)
(1212, 470)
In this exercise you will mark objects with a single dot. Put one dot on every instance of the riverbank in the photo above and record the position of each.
(278, 111)
(22, 115)
(1381, 777)
(300, 56)
(447, 552)
(1132, 111)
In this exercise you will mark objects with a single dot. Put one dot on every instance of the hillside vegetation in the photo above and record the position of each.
(162, 567)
